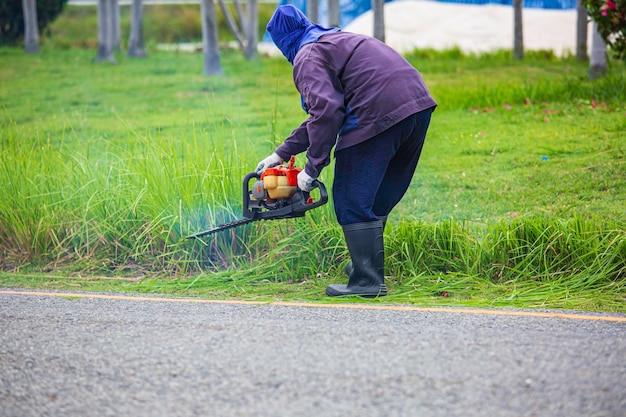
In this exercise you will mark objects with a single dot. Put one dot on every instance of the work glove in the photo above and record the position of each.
(270, 161)
(305, 181)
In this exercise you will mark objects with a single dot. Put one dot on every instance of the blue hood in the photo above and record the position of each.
(290, 29)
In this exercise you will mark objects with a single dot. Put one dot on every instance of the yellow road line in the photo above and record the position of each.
(616, 319)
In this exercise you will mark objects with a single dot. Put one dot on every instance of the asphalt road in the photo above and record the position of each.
(68, 356)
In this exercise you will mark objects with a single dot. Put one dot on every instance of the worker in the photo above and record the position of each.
(373, 107)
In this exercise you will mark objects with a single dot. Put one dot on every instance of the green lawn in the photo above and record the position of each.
(518, 199)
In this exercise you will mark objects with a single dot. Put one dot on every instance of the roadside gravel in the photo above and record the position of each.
(102, 357)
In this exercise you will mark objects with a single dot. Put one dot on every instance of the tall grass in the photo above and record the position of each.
(111, 210)
(130, 212)
(533, 249)
(117, 165)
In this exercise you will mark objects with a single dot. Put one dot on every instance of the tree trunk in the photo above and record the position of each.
(247, 33)
(597, 63)
(581, 31)
(239, 10)
(230, 22)
(333, 13)
(378, 9)
(252, 30)
(312, 10)
(212, 64)
(31, 31)
(136, 47)
(106, 32)
(518, 29)
(117, 26)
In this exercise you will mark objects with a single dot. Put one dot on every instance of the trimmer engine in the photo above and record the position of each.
(277, 183)
(275, 195)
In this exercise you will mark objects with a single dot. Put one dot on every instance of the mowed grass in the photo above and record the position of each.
(518, 199)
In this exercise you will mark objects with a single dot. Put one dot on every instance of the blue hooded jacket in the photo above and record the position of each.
(290, 29)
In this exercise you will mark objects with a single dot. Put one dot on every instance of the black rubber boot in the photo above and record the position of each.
(349, 268)
(366, 247)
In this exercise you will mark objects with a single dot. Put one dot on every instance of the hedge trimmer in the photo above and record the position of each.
(275, 195)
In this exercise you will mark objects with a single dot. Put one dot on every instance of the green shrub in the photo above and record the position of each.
(77, 26)
(610, 17)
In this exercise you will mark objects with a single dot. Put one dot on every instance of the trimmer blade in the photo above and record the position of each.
(225, 226)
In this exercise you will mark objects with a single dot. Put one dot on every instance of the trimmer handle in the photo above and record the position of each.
(323, 196)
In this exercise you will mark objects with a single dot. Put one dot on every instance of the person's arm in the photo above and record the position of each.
(323, 97)
(296, 143)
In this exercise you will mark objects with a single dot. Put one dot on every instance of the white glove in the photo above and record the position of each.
(305, 181)
(270, 161)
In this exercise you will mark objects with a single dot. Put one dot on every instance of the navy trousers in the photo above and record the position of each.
(373, 176)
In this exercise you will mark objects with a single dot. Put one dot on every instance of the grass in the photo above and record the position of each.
(518, 199)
